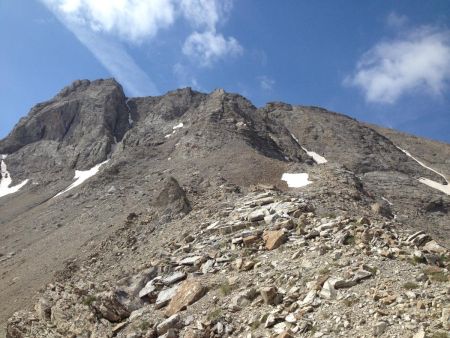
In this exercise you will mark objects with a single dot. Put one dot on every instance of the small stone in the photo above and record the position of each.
(173, 322)
(285, 334)
(165, 296)
(344, 284)
(420, 333)
(434, 247)
(174, 278)
(148, 290)
(43, 309)
(270, 295)
(250, 240)
(171, 333)
(257, 215)
(194, 260)
(309, 298)
(361, 274)
(312, 234)
(379, 328)
(290, 318)
(271, 321)
(364, 221)
(328, 291)
(445, 318)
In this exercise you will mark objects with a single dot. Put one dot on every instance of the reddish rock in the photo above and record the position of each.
(285, 334)
(188, 293)
(274, 239)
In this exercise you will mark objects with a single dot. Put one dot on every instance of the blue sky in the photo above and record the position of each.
(385, 62)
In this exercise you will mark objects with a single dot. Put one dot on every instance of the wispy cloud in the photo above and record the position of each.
(118, 62)
(265, 82)
(103, 27)
(395, 20)
(417, 60)
(96, 24)
(184, 77)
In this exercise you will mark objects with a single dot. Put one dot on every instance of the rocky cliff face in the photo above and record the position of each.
(74, 130)
(167, 157)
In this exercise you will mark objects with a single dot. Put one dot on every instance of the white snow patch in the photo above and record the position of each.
(296, 180)
(178, 126)
(296, 139)
(6, 180)
(81, 176)
(445, 188)
(316, 157)
(423, 164)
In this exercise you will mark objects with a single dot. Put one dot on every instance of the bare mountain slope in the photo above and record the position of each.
(214, 145)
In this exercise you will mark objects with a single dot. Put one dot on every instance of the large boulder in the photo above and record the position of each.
(172, 199)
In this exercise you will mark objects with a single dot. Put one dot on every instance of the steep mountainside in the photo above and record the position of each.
(136, 156)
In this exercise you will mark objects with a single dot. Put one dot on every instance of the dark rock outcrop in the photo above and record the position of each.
(172, 199)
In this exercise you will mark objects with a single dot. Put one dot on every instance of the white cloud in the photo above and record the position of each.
(131, 20)
(208, 47)
(417, 60)
(266, 83)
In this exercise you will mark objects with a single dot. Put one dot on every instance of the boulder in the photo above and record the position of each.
(110, 307)
(270, 295)
(172, 199)
(273, 239)
(188, 293)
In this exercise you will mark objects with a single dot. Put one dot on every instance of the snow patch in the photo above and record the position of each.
(178, 126)
(81, 176)
(174, 128)
(445, 188)
(423, 164)
(6, 180)
(296, 180)
(315, 156)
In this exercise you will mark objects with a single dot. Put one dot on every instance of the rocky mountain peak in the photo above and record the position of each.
(214, 186)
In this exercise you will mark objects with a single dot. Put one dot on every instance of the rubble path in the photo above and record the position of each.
(259, 265)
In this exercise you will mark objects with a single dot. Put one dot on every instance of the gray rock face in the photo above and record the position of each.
(75, 129)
